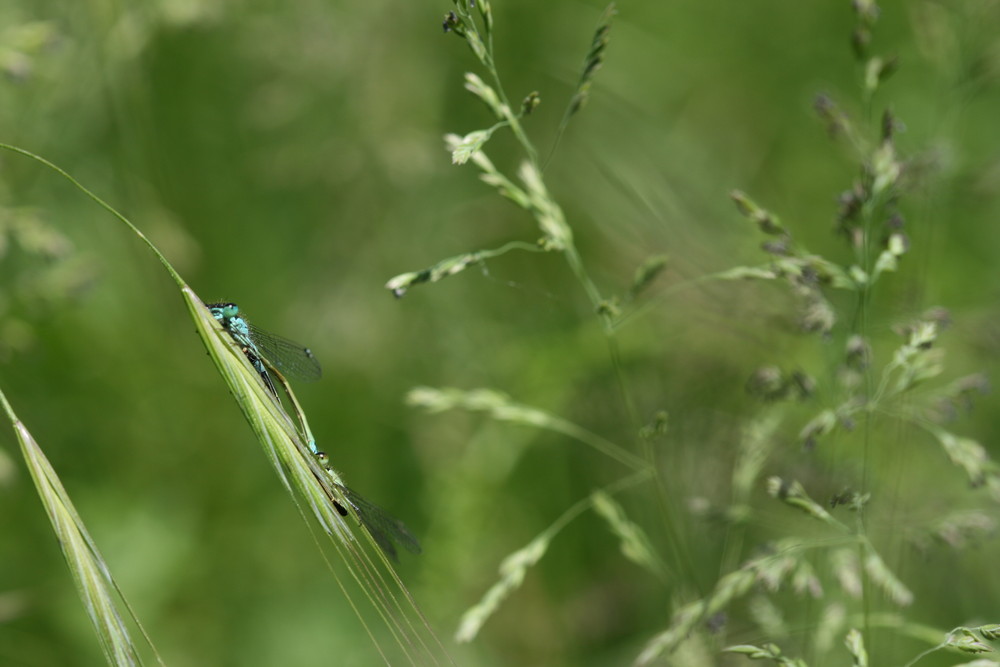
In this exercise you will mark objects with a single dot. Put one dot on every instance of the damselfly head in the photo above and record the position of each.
(224, 310)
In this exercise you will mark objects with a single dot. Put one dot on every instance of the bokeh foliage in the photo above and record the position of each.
(289, 156)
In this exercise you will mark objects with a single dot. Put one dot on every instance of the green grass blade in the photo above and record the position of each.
(99, 593)
(321, 491)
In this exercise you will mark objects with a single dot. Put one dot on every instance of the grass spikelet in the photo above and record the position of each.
(767, 615)
(483, 91)
(766, 652)
(557, 234)
(755, 448)
(847, 569)
(831, 624)
(681, 625)
(491, 175)
(882, 577)
(502, 408)
(958, 529)
(97, 589)
(593, 60)
(766, 221)
(794, 495)
(805, 581)
(635, 544)
(400, 284)
(968, 455)
(856, 647)
(468, 145)
(512, 572)
(769, 569)
(514, 567)
(966, 641)
(645, 275)
(534, 196)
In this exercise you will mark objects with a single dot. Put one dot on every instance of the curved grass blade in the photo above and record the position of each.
(290, 448)
(97, 588)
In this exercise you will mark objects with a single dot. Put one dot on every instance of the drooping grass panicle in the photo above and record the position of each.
(400, 284)
(502, 408)
(102, 599)
(534, 196)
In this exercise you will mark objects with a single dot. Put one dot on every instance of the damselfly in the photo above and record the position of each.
(273, 357)
(291, 359)
(384, 528)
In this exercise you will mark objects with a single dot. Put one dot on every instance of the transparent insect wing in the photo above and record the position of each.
(289, 357)
(384, 528)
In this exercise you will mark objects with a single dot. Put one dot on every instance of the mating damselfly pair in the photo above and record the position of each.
(274, 357)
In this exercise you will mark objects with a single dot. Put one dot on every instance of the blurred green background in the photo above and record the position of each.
(288, 156)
